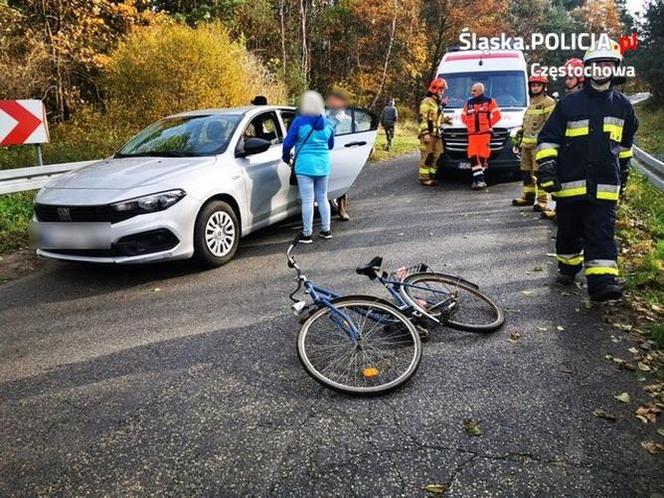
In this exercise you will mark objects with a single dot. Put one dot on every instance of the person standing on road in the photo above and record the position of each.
(388, 120)
(574, 80)
(479, 114)
(312, 137)
(342, 122)
(431, 119)
(583, 153)
(540, 108)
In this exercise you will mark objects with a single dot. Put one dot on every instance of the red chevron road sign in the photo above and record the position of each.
(22, 122)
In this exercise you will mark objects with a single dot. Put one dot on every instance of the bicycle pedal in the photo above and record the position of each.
(422, 332)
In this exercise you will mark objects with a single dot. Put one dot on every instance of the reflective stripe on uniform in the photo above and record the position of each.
(577, 128)
(529, 140)
(536, 112)
(614, 127)
(570, 259)
(545, 150)
(571, 189)
(601, 267)
(608, 192)
(625, 152)
(529, 189)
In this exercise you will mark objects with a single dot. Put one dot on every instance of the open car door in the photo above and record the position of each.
(354, 136)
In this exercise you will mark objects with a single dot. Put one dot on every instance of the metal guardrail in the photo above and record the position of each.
(649, 165)
(24, 179)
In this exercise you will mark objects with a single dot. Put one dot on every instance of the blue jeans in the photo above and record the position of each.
(313, 187)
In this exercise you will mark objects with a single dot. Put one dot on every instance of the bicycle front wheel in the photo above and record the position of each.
(359, 345)
(471, 310)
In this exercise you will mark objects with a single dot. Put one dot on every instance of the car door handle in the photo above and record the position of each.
(355, 144)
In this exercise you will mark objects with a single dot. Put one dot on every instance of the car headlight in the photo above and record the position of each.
(150, 203)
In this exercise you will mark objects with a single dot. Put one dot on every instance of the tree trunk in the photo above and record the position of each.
(387, 56)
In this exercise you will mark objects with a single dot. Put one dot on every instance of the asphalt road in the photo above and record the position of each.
(163, 380)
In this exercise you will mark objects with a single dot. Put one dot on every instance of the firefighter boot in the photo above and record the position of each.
(549, 214)
(529, 189)
(542, 202)
(608, 292)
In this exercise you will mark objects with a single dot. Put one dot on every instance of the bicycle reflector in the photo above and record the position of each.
(370, 372)
(297, 307)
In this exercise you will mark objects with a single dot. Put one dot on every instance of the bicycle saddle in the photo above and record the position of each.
(371, 269)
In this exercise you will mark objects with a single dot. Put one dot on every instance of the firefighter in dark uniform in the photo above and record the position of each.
(583, 153)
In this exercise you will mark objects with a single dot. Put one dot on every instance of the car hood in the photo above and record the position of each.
(129, 172)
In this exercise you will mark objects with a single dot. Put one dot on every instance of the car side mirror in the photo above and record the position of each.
(253, 146)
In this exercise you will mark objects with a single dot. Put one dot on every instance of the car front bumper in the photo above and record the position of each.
(178, 220)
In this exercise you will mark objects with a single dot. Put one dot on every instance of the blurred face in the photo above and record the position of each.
(601, 70)
(477, 90)
(536, 88)
(571, 81)
(335, 102)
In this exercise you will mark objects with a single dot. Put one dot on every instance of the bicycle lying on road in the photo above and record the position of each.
(362, 344)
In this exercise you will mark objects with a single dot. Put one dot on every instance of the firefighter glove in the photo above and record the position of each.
(546, 178)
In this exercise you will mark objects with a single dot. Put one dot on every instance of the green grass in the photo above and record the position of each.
(641, 235)
(650, 136)
(15, 215)
(405, 140)
(641, 219)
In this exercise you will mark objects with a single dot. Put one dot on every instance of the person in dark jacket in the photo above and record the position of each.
(583, 153)
(388, 120)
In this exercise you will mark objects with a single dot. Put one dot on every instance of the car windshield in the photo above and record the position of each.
(183, 136)
(507, 87)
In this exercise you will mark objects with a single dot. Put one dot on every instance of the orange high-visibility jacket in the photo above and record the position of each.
(480, 114)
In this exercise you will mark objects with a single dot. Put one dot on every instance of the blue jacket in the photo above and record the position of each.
(313, 157)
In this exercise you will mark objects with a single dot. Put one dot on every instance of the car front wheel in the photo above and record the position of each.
(216, 234)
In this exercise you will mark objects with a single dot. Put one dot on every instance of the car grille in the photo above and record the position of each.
(456, 139)
(47, 212)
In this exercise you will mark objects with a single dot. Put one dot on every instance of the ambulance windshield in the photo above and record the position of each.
(507, 87)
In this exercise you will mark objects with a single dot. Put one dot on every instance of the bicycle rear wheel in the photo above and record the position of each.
(383, 356)
(474, 311)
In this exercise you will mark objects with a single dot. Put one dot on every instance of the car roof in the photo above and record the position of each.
(234, 111)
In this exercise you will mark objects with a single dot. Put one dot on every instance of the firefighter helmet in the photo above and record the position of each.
(574, 68)
(538, 78)
(437, 85)
(611, 53)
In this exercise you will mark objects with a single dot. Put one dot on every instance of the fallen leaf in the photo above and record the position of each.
(527, 293)
(560, 328)
(660, 431)
(538, 268)
(652, 447)
(514, 336)
(542, 329)
(623, 397)
(643, 367)
(437, 489)
(472, 428)
(599, 413)
(647, 413)
(156, 289)
(565, 294)
(633, 350)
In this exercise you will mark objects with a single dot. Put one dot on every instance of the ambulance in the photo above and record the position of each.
(504, 74)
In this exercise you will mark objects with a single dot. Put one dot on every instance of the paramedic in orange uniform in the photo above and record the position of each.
(479, 115)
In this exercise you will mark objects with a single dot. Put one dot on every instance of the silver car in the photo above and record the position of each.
(189, 185)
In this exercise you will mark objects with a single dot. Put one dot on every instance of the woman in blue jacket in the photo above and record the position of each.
(313, 137)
